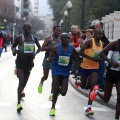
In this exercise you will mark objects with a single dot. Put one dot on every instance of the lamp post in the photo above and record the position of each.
(83, 15)
(69, 6)
(61, 22)
(14, 28)
(65, 14)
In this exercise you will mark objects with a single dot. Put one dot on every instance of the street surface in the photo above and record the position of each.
(36, 106)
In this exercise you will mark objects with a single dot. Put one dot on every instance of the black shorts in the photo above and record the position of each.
(25, 61)
(112, 76)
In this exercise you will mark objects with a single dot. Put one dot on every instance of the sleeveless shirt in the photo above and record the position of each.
(62, 62)
(53, 42)
(93, 52)
(27, 46)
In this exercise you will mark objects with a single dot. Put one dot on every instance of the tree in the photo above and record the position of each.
(94, 9)
(37, 24)
(7, 9)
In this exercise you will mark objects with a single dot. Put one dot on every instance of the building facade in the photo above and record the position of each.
(112, 25)
(36, 7)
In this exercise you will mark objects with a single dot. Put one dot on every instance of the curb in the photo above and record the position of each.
(110, 104)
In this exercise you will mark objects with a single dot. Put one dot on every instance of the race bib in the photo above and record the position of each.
(29, 47)
(96, 53)
(63, 60)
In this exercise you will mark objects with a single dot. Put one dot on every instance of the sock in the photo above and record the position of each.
(51, 94)
(89, 106)
(96, 91)
(40, 84)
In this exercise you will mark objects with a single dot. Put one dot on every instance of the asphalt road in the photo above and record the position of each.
(36, 106)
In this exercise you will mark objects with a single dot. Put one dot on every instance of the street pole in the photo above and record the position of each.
(65, 23)
(69, 6)
(83, 15)
(66, 16)
(68, 20)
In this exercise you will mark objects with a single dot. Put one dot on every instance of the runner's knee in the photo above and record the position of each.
(44, 77)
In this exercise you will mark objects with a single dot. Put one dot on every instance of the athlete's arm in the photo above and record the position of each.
(38, 45)
(15, 44)
(103, 53)
(45, 44)
(74, 53)
(52, 53)
(86, 45)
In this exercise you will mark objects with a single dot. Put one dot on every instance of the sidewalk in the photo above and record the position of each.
(111, 103)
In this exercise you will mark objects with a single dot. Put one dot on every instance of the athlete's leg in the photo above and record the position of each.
(26, 77)
(93, 82)
(107, 91)
(52, 87)
(118, 100)
(45, 75)
(20, 75)
(83, 81)
(56, 83)
(64, 86)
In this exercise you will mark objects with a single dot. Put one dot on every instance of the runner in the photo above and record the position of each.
(112, 75)
(48, 44)
(25, 56)
(63, 55)
(90, 64)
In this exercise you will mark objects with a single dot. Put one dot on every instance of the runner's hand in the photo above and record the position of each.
(114, 64)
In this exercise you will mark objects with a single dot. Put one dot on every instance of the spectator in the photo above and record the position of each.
(11, 40)
(4, 42)
(1, 41)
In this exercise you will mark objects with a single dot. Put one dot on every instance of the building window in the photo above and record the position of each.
(17, 9)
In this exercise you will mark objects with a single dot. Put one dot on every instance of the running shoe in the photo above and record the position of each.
(76, 85)
(88, 111)
(77, 81)
(19, 107)
(52, 112)
(40, 89)
(22, 95)
(58, 94)
(93, 94)
(50, 97)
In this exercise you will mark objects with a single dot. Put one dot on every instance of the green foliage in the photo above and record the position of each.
(94, 9)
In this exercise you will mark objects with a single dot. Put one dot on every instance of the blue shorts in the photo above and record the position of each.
(87, 72)
(46, 64)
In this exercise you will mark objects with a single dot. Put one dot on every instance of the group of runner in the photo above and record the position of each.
(59, 55)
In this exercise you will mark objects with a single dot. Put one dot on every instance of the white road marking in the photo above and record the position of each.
(96, 109)
(5, 104)
(4, 57)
